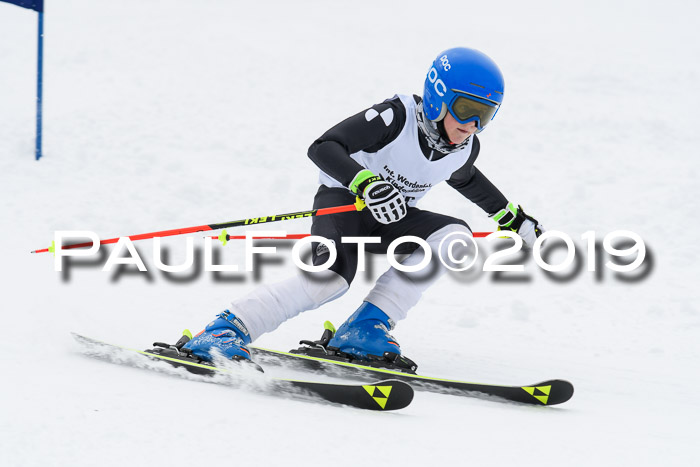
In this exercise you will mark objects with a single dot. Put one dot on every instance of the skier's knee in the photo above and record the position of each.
(324, 287)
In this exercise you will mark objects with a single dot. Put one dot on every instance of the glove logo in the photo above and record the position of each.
(379, 191)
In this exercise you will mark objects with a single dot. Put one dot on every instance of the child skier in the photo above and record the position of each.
(389, 155)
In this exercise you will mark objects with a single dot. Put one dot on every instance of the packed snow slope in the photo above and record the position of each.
(163, 114)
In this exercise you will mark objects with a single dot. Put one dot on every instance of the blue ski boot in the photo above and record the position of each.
(227, 334)
(365, 335)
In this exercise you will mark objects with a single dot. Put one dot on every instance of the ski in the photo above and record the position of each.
(388, 394)
(550, 392)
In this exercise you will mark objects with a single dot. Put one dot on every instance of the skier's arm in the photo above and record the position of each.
(474, 185)
(369, 130)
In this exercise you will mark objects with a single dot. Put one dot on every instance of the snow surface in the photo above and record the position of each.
(163, 114)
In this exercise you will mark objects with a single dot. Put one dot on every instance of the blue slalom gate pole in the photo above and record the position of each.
(39, 80)
(38, 6)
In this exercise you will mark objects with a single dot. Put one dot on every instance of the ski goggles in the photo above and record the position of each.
(466, 108)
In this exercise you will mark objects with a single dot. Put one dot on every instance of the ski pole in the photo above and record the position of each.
(225, 237)
(357, 206)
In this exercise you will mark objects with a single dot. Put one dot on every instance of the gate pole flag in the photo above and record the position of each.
(38, 6)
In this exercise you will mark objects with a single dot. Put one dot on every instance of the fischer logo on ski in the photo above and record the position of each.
(541, 393)
(384, 392)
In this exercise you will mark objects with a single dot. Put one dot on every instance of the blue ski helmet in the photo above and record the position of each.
(465, 82)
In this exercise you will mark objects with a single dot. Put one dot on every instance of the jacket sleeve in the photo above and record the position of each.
(369, 131)
(474, 185)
